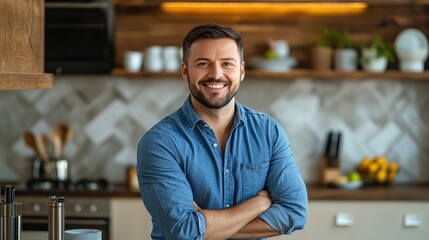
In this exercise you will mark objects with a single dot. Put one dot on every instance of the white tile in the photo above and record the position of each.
(126, 156)
(103, 125)
(387, 136)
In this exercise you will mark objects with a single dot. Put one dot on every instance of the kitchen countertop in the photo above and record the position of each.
(397, 192)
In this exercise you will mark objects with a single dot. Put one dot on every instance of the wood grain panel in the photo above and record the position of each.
(22, 36)
(11, 81)
(139, 28)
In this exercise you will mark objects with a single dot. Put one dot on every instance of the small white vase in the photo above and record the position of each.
(372, 63)
(346, 59)
(153, 59)
(133, 61)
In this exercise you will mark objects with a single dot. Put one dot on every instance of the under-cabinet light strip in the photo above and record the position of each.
(273, 7)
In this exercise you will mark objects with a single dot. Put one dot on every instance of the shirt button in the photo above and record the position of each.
(205, 125)
(215, 145)
(227, 205)
(227, 170)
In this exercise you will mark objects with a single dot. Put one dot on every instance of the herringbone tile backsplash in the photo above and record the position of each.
(108, 116)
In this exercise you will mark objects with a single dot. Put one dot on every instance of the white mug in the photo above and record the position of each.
(171, 59)
(280, 47)
(153, 59)
(133, 61)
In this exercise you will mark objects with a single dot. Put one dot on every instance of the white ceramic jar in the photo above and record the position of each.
(133, 61)
(171, 59)
(153, 59)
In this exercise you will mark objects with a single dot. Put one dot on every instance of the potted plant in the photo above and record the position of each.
(346, 56)
(376, 55)
(322, 52)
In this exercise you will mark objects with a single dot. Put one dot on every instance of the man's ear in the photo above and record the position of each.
(184, 72)
(242, 71)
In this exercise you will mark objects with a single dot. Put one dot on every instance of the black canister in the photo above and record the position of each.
(56, 218)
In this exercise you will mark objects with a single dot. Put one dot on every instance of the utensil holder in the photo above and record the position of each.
(329, 173)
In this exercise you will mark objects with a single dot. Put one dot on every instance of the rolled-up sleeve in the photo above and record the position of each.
(286, 186)
(165, 191)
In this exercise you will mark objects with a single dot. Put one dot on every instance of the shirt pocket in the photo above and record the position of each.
(254, 178)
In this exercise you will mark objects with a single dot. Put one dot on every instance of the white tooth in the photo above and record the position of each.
(214, 86)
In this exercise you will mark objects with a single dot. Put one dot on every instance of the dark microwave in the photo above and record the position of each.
(79, 36)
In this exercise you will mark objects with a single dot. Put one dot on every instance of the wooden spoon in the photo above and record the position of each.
(66, 135)
(42, 145)
(30, 140)
(56, 141)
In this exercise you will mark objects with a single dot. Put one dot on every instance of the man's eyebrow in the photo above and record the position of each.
(229, 59)
(223, 59)
(201, 59)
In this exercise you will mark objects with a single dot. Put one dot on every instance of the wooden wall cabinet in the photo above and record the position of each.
(22, 45)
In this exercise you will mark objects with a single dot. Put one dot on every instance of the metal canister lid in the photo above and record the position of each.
(55, 201)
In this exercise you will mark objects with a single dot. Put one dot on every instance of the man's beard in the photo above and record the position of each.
(199, 95)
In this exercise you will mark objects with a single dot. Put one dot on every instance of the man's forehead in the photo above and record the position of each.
(222, 48)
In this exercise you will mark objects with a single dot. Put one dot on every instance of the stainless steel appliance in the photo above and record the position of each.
(10, 212)
(80, 212)
(79, 36)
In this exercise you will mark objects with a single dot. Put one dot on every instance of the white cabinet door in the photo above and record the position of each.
(129, 219)
(327, 220)
(372, 220)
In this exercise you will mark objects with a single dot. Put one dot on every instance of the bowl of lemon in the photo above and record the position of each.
(378, 170)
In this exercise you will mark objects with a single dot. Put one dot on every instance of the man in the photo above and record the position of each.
(215, 169)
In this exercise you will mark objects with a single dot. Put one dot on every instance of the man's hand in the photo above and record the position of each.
(225, 223)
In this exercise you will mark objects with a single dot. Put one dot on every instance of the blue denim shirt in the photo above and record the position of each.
(180, 161)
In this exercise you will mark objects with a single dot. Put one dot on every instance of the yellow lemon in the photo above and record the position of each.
(270, 54)
(391, 176)
(373, 167)
(393, 167)
(381, 176)
(341, 180)
(382, 161)
(364, 163)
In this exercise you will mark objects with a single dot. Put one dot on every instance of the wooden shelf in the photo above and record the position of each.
(357, 75)
(18, 81)
(124, 73)
(299, 73)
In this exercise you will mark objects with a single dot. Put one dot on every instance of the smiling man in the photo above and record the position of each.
(215, 169)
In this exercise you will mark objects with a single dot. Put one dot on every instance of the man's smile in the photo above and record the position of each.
(216, 86)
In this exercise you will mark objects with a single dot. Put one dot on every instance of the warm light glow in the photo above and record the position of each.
(269, 8)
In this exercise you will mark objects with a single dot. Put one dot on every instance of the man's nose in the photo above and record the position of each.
(215, 71)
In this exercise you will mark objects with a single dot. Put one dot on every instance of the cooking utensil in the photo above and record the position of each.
(43, 145)
(66, 135)
(56, 141)
(30, 140)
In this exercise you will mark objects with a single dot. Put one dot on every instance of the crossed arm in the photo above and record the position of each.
(239, 221)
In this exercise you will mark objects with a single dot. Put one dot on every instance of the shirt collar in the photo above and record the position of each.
(193, 117)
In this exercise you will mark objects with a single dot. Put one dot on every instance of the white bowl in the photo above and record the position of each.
(412, 44)
(272, 65)
(416, 66)
(412, 54)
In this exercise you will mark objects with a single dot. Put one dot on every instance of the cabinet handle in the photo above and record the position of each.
(344, 219)
(412, 220)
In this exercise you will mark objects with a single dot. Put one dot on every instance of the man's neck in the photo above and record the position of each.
(220, 120)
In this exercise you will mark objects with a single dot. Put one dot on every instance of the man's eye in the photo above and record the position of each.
(202, 64)
(228, 64)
